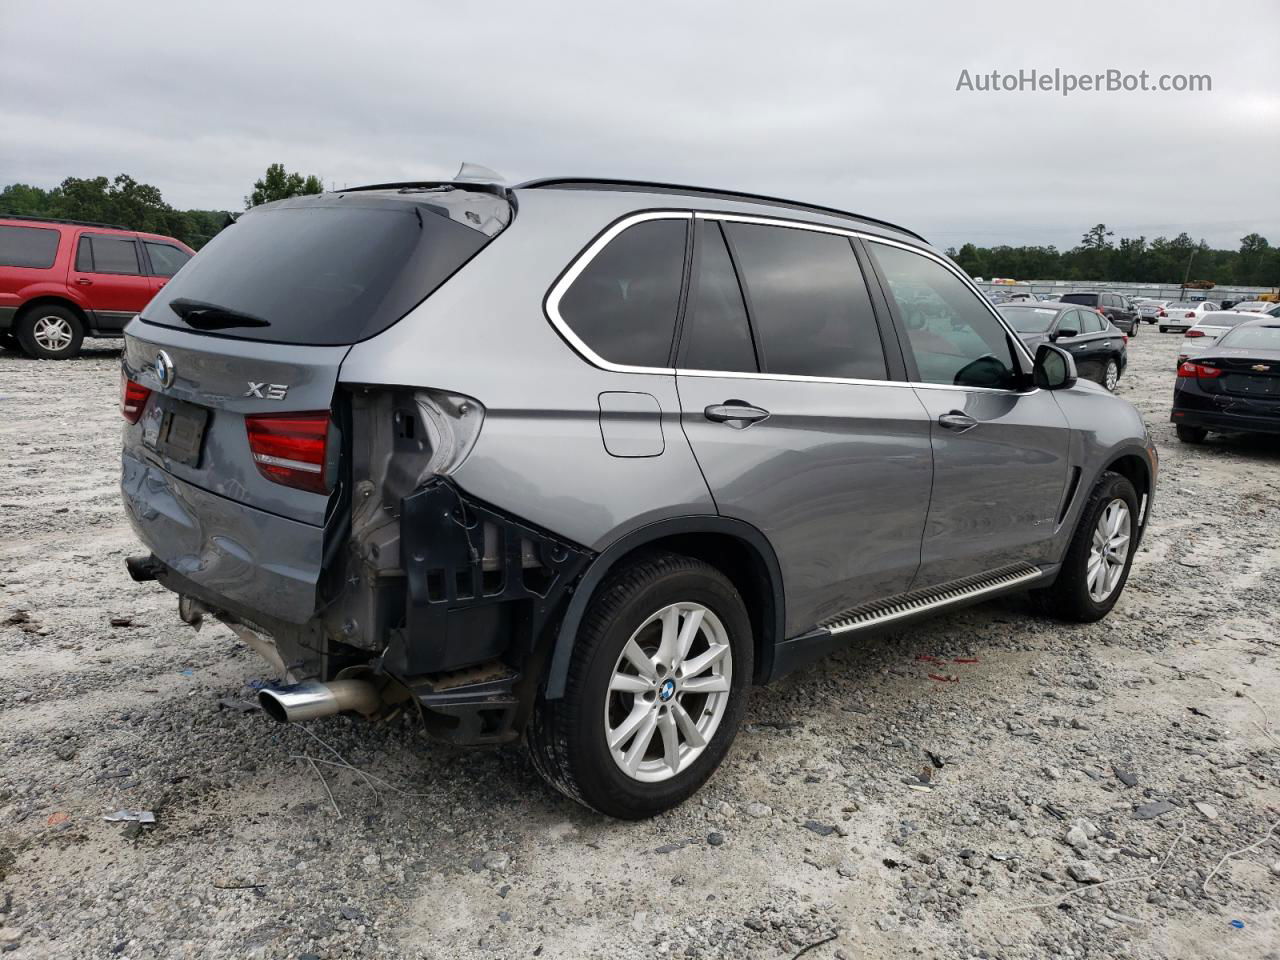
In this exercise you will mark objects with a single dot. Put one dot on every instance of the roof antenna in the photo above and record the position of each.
(476, 173)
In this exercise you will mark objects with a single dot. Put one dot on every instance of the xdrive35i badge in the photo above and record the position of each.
(267, 391)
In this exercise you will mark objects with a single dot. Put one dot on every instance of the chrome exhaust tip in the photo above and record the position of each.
(312, 699)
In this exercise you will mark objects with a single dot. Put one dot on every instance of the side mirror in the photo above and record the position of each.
(1054, 369)
(1066, 333)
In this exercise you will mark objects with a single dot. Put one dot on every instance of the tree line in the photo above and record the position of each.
(1132, 259)
(125, 202)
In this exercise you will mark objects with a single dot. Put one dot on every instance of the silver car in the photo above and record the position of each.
(581, 461)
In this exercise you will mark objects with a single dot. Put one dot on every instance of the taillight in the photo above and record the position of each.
(1162, 313)
(290, 448)
(1197, 371)
(1191, 316)
(1099, 311)
(1125, 337)
(133, 398)
(1193, 332)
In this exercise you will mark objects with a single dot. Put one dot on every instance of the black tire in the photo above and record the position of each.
(1106, 373)
(566, 737)
(1068, 598)
(1164, 329)
(33, 333)
(9, 342)
(1134, 331)
(1189, 434)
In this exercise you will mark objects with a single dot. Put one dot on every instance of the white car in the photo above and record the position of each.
(1149, 311)
(1183, 314)
(1214, 324)
(1253, 306)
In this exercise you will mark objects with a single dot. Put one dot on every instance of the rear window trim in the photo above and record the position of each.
(579, 262)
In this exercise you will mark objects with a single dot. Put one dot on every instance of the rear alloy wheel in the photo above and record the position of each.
(50, 333)
(655, 690)
(1096, 566)
(1191, 434)
(1111, 376)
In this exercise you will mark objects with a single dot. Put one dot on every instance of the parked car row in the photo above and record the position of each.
(63, 280)
(1099, 348)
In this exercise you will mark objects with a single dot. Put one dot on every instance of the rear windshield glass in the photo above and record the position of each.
(325, 271)
(1028, 319)
(1184, 304)
(1261, 338)
(28, 247)
(1088, 299)
(1224, 319)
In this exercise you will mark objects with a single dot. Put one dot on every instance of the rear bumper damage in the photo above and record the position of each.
(454, 628)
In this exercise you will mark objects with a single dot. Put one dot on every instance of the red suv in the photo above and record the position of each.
(63, 280)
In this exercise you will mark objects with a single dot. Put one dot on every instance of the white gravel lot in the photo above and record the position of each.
(1042, 757)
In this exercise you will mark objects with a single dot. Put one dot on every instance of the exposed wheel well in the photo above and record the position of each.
(1133, 468)
(738, 561)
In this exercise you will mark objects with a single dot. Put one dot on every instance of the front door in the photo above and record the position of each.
(999, 448)
(787, 399)
(107, 272)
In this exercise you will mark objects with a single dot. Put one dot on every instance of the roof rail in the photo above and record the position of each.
(76, 223)
(582, 183)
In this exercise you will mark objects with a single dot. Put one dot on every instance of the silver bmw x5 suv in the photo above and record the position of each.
(580, 461)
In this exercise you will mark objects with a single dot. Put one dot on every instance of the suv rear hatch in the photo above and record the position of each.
(232, 466)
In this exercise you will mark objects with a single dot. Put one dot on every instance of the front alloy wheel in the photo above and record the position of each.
(1109, 550)
(669, 692)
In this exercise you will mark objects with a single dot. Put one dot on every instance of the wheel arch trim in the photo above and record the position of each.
(607, 559)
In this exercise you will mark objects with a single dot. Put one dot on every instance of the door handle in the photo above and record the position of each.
(957, 421)
(736, 413)
(84, 281)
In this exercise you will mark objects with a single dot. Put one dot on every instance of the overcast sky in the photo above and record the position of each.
(842, 103)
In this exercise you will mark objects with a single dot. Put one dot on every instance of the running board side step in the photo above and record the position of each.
(919, 601)
(835, 632)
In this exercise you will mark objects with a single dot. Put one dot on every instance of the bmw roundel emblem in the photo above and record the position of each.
(164, 369)
(667, 690)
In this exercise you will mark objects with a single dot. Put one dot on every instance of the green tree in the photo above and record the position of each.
(278, 184)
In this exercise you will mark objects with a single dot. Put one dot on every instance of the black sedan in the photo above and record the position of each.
(1233, 385)
(1100, 350)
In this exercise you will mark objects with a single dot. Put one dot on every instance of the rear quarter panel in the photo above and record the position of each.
(540, 453)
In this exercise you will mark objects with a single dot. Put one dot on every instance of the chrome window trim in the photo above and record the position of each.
(566, 280)
(561, 286)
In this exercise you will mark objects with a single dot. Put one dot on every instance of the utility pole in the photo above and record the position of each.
(1187, 276)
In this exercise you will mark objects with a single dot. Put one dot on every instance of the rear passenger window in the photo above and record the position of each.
(623, 305)
(809, 303)
(1091, 322)
(716, 333)
(108, 255)
(33, 247)
(954, 337)
(166, 260)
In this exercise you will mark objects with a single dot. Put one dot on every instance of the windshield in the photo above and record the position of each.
(1223, 319)
(1183, 305)
(326, 270)
(1028, 319)
(1258, 338)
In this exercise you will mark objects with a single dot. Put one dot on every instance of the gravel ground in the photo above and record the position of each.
(866, 803)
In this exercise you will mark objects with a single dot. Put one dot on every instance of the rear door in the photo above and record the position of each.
(999, 450)
(108, 272)
(799, 416)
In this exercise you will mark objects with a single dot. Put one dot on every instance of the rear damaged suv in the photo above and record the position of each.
(580, 461)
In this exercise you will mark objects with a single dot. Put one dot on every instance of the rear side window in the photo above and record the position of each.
(107, 255)
(327, 272)
(954, 337)
(623, 304)
(34, 247)
(1092, 322)
(809, 303)
(717, 335)
(166, 260)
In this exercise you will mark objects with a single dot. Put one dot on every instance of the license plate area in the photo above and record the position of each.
(175, 430)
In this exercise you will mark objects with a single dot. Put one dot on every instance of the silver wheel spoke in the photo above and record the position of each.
(644, 736)
(630, 683)
(704, 661)
(639, 659)
(670, 642)
(711, 684)
(687, 726)
(1109, 552)
(688, 630)
(639, 713)
(670, 741)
